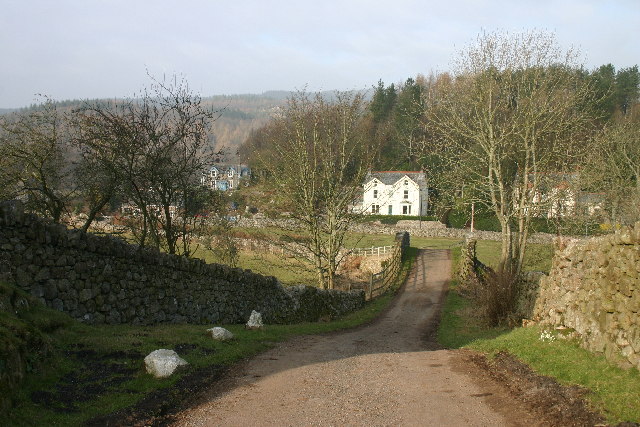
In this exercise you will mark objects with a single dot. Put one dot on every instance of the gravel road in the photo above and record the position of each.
(389, 372)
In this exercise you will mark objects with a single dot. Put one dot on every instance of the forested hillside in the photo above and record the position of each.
(239, 114)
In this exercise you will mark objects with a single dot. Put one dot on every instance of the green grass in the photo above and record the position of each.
(537, 257)
(124, 347)
(614, 392)
(290, 270)
(108, 341)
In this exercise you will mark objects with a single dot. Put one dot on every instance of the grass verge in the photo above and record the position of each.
(614, 392)
(97, 370)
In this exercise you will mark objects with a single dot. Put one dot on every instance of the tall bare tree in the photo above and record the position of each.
(34, 147)
(509, 124)
(156, 144)
(317, 157)
(612, 168)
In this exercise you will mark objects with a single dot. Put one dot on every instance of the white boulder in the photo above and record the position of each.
(162, 363)
(255, 321)
(220, 334)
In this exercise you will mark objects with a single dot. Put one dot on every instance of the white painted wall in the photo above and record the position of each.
(377, 194)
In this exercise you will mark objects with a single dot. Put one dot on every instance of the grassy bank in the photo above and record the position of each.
(95, 370)
(613, 391)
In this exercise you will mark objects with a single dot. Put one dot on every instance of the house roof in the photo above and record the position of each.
(223, 168)
(391, 177)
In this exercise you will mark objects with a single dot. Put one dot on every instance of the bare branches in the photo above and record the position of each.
(318, 157)
(511, 121)
(155, 146)
(34, 147)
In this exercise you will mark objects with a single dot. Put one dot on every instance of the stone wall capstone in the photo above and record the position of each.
(102, 279)
(594, 289)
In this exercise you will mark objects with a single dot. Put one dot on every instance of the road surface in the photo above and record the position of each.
(389, 372)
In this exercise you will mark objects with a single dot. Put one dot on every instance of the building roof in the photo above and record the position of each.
(244, 169)
(391, 177)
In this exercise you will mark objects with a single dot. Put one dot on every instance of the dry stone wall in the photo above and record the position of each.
(416, 228)
(101, 279)
(594, 289)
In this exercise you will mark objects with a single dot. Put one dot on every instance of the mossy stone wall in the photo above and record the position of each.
(101, 279)
(594, 289)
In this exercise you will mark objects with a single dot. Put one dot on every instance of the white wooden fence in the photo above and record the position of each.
(380, 282)
(373, 250)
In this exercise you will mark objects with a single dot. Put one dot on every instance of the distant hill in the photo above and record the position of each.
(239, 114)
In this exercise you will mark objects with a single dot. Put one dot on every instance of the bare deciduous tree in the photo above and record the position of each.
(317, 158)
(511, 120)
(157, 144)
(34, 147)
(612, 168)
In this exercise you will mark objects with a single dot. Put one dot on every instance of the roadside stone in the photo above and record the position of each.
(162, 363)
(220, 334)
(255, 321)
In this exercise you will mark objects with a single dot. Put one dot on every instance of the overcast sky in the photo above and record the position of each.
(102, 48)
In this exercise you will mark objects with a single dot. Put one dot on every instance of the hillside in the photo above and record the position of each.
(239, 114)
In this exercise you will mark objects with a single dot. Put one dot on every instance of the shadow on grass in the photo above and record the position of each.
(458, 325)
(98, 370)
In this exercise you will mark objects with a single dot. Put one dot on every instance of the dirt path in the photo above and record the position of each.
(387, 373)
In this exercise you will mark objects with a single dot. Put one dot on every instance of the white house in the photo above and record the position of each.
(395, 193)
(559, 197)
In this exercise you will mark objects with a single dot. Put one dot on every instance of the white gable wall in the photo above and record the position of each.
(400, 198)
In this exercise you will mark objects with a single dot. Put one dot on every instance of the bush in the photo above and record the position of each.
(487, 221)
(499, 298)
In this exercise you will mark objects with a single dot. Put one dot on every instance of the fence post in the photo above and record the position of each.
(371, 286)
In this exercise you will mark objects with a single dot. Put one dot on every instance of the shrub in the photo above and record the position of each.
(499, 298)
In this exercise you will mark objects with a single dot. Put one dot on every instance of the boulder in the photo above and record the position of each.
(255, 321)
(162, 363)
(220, 334)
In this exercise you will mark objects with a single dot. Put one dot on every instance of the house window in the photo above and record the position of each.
(390, 210)
(214, 173)
(375, 209)
(406, 182)
(230, 183)
(406, 194)
(230, 172)
(375, 194)
(406, 210)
